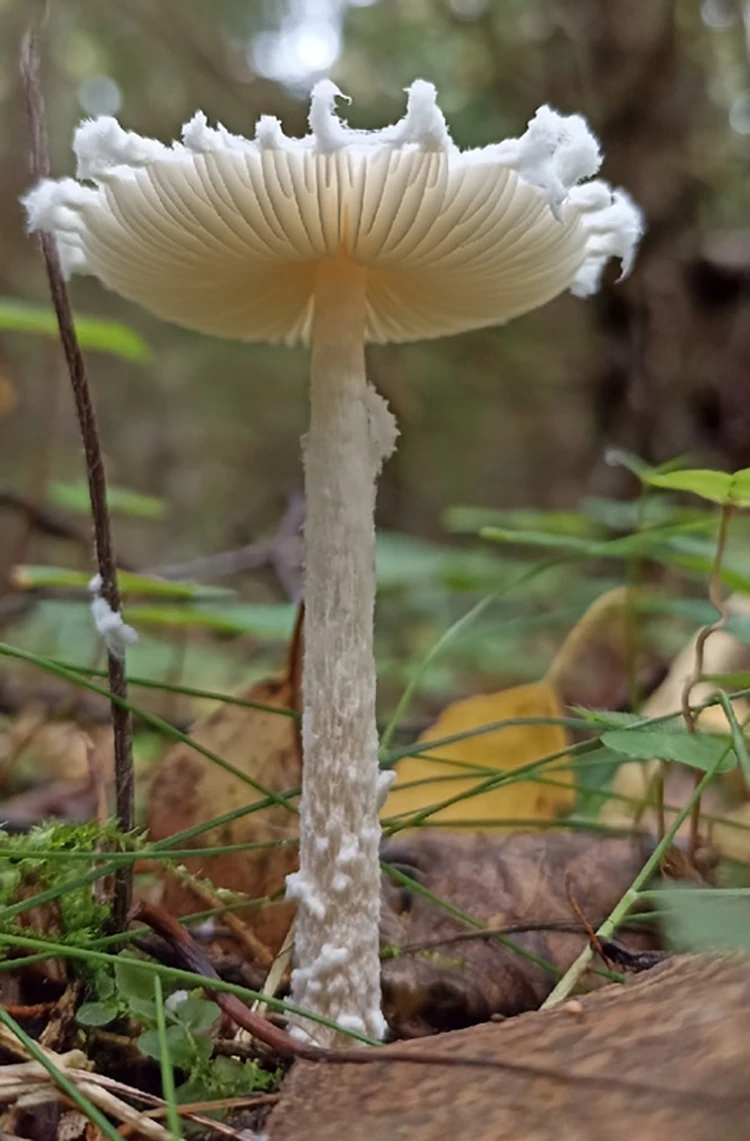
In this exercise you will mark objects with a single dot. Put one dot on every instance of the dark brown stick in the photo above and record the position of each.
(105, 557)
(593, 938)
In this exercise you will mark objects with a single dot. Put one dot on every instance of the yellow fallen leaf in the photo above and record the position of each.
(502, 750)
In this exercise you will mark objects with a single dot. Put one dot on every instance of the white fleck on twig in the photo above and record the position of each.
(109, 623)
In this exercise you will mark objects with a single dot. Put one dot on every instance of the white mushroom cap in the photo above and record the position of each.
(224, 234)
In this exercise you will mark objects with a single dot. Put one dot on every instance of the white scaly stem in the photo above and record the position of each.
(337, 888)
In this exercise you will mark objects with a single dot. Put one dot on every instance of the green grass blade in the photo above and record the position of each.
(165, 1061)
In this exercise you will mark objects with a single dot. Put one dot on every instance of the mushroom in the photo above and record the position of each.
(337, 239)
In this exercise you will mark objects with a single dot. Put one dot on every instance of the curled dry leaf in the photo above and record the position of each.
(456, 768)
(189, 789)
(450, 980)
(591, 666)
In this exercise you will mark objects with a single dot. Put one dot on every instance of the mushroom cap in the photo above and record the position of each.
(224, 234)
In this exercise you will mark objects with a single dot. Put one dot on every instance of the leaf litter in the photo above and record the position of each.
(485, 904)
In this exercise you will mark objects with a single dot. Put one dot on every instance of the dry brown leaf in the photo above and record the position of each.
(591, 666)
(523, 879)
(594, 647)
(668, 1054)
(499, 751)
(189, 789)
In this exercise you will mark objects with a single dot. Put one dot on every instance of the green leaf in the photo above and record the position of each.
(96, 1014)
(93, 332)
(713, 485)
(196, 1013)
(232, 1072)
(698, 750)
(179, 1043)
(716, 486)
(741, 487)
(706, 921)
(232, 1078)
(142, 1008)
(133, 982)
(45, 578)
(105, 985)
(202, 1047)
(75, 497)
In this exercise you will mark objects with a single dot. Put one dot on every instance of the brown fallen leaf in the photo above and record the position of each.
(521, 880)
(189, 789)
(664, 1057)
(591, 666)
(443, 771)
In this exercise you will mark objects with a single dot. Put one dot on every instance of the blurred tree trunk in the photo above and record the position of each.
(656, 378)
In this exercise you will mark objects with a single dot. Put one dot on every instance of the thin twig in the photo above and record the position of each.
(716, 597)
(105, 556)
(593, 938)
(562, 925)
(193, 1112)
(257, 948)
(282, 552)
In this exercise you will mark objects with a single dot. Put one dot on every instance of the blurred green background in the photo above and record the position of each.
(506, 419)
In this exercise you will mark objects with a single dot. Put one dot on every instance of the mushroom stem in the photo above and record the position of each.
(337, 971)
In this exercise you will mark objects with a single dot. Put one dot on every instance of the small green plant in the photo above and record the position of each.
(128, 992)
(27, 862)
